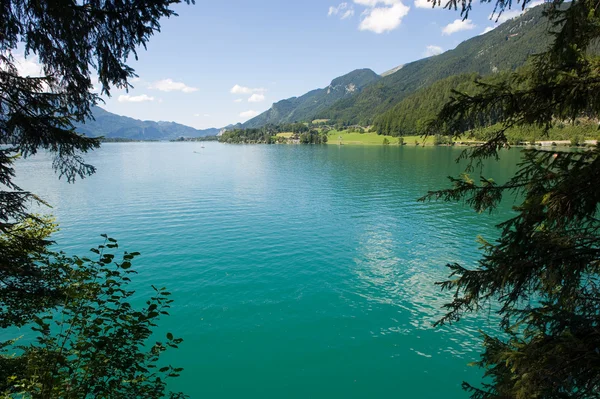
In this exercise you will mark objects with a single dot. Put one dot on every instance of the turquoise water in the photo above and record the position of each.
(298, 271)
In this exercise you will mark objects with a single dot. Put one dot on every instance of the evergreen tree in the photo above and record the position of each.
(543, 270)
(72, 40)
(102, 355)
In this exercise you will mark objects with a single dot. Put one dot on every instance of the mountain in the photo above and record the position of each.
(505, 48)
(410, 115)
(112, 125)
(304, 108)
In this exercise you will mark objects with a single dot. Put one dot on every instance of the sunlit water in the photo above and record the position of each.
(298, 271)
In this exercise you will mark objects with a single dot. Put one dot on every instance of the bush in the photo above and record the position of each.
(439, 139)
(95, 343)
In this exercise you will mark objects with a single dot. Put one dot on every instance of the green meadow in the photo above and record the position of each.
(345, 138)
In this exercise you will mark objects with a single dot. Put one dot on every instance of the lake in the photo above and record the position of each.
(297, 271)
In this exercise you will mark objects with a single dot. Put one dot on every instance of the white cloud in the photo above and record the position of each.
(205, 115)
(347, 14)
(256, 98)
(336, 10)
(457, 26)
(237, 89)
(383, 19)
(488, 29)
(373, 3)
(343, 10)
(423, 4)
(28, 66)
(248, 114)
(126, 98)
(432, 50)
(170, 85)
(238, 100)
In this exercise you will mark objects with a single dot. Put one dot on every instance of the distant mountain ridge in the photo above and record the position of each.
(507, 47)
(109, 125)
(362, 96)
(304, 108)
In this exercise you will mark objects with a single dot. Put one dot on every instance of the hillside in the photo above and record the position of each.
(409, 116)
(304, 108)
(505, 48)
(111, 125)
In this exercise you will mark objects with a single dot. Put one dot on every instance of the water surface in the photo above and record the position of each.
(298, 271)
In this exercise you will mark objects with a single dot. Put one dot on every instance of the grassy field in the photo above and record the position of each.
(371, 139)
(335, 137)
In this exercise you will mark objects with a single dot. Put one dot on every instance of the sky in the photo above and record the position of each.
(223, 62)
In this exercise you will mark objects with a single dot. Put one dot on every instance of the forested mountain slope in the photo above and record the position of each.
(111, 125)
(504, 48)
(410, 115)
(304, 108)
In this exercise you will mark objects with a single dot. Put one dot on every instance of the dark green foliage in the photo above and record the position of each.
(290, 127)
(91, 342)
(26, 288)
(302, 134)
(71, 40)
(411, 115)
(96, 344)
(203, 138)
(263, 135)
(542, 273)
(247, 136)
(355, 129)
(576, 140)
(505, 48)
(304, 108)
(313, 137)
(582, 129)
(440, 139)
(112, 126)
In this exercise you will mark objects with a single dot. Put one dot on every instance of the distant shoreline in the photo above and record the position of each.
(341, 138)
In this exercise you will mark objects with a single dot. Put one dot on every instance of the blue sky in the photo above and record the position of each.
(221, 62)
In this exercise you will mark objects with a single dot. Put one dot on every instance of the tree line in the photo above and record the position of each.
(299, 132)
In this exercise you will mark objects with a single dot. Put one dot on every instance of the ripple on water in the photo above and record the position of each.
(298, 271)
